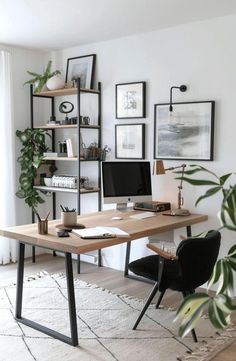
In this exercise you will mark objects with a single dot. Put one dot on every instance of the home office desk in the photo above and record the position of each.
(28, 234)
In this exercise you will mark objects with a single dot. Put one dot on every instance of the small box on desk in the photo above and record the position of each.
(152, 206)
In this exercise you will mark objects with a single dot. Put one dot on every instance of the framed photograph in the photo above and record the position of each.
(81, 67)
(130, 141)
(187, 132)
(130, 100)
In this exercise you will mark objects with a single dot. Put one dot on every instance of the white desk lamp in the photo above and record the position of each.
(158, 169)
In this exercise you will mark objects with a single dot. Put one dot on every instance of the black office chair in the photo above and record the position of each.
(190, 268)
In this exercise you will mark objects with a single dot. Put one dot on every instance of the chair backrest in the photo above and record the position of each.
(197, 257)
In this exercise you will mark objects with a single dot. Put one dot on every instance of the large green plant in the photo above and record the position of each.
(220, 306)
(39, 80)
(30, 159)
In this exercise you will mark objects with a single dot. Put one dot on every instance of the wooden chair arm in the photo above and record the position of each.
(161, 253)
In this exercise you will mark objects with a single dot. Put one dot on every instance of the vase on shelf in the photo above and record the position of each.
(55, 82)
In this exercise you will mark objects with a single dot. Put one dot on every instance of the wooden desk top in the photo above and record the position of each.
(74, 244)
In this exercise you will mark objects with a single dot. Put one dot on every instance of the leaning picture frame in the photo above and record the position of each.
(82, 67)
(130, 141)
(186, 132)
(131, 100)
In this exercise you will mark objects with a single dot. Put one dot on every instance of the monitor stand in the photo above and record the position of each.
(122, 207)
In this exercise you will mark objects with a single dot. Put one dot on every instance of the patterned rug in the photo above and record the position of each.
(105, 323)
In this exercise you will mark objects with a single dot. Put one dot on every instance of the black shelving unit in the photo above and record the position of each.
(51, 96)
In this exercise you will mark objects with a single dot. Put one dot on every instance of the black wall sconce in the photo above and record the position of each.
(182, 88)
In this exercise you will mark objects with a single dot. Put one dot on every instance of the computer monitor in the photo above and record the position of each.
(125, 182)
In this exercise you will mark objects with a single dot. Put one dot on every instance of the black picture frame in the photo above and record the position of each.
(82, 67)
(130, 100)
(130, 141)
(186, 133)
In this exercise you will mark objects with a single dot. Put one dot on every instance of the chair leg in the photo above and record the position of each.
(149, 300)
(192, 331)
(160, 298)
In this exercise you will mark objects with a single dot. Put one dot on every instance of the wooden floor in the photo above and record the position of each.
(104, 277)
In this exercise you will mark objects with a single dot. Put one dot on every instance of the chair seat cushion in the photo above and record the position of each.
(148, 267)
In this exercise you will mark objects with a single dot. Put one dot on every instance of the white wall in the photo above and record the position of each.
(22, 60)
(201, 55)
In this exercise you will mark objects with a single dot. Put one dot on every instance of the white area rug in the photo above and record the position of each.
(105, 322)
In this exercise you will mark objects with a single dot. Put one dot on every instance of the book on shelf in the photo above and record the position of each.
(54, 154)
(70, 150)
(100, 232)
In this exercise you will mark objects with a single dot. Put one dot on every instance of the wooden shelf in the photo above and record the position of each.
(70, 159)
(65, 126)
(66, 190)
(65, 92)
(55, 126)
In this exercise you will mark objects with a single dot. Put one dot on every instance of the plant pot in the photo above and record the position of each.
(55, 82)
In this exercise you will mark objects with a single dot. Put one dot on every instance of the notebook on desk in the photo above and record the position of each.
(100, 232)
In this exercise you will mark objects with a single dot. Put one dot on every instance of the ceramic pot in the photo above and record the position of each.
(55, 82)
(69, 218)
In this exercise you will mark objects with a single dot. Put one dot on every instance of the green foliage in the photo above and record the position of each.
(39, 80)
(221, 305)
(30, 159)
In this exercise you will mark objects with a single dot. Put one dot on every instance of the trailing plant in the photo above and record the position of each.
(30, 159)
(39, 80)
(220, 306)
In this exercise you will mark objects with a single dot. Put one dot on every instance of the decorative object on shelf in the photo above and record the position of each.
(105, 151)
(66, 108)
(64, 181)
(93, 152)
(84, 182)
(55, 82)
(70, 148)
(40, 80)
(130, 141)
(47, 181)
(131, 100)
(187, 132)
(84, 120)
(30, 159)
(81, 67)
(158, 169)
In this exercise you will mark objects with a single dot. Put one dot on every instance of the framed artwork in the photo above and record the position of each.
(81, 67)
(187, 132)
(130, 100)
(130, 141)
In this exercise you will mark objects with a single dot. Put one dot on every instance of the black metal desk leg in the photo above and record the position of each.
(99, 258)
(33, 254)
(189, 231)
(127, 256)
(71, 299)
(20, 276)
(73, 340)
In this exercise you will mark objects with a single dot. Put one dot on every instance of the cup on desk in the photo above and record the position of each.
(43, 226)
(69, 218)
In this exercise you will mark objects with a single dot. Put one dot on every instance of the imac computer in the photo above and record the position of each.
(125, 182)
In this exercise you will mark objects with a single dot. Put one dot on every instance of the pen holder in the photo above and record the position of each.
(69, 218)
(43, 226)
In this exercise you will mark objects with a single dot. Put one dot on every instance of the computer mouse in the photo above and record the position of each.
(117, 218)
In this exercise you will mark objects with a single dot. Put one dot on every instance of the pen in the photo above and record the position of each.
(47, 216)
(39, 219)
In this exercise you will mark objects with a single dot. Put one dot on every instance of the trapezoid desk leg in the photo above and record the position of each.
(99, 258)
(71, 299)
(20, 277)
(73, 340)
(127, 257)
(33, 254)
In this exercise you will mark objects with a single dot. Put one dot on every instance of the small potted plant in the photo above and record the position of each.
(40, 80)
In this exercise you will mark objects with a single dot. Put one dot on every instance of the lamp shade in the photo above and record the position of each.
(158, 167)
